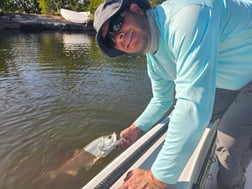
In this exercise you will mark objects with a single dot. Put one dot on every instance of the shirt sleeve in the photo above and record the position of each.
(162, 100)
(193, 38)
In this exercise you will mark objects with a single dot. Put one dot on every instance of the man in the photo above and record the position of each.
(199, 52)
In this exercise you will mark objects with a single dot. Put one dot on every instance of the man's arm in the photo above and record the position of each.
(193, 38)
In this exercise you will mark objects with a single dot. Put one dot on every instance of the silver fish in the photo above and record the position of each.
(103, 145)
(86, 157)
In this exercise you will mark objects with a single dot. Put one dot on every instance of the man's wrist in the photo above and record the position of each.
(137, 129)
(156, 181)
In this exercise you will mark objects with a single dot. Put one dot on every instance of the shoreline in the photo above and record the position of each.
(40, 23)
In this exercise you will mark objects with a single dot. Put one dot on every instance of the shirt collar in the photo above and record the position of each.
(154, 32)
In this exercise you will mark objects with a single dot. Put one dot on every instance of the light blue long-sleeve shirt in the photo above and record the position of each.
(204, 45)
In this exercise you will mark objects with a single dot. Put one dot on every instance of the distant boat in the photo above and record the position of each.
(75, 17)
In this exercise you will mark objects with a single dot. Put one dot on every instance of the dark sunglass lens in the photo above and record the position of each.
(114, 26)
(116, 23)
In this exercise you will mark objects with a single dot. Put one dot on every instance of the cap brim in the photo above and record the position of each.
(110, 52)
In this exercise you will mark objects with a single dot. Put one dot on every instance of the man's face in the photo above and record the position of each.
(128, 31)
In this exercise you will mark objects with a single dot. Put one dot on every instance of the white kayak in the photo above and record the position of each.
(75, 17)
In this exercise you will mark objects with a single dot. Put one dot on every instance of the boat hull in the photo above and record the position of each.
(199, 172)
(75, 17)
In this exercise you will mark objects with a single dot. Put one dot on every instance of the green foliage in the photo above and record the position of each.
(50, 6)
(93, 5)
(2, 2)
(43, 5)
(3, 5)
(23, 6)
(156, 2)
(53, 6)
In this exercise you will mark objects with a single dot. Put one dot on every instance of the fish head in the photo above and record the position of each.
(103, 145)
(108, 143)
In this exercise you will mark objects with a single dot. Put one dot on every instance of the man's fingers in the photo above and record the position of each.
(127, 176)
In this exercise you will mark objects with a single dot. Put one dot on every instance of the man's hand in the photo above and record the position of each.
(141, 179)
(130, 135)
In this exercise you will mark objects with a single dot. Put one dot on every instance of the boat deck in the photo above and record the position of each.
(187, 175)
(212, 182)
(201, 164)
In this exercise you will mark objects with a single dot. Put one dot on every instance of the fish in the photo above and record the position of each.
(87, 156)
(103, 145)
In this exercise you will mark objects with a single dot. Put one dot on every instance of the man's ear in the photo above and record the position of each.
(136, 9)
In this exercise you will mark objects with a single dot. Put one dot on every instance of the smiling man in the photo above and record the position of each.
(128, 32)
(199, 55)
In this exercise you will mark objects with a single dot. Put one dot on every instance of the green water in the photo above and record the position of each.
(58, 93)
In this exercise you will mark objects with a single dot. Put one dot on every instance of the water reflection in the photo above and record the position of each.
(58, 92)
(76, 41)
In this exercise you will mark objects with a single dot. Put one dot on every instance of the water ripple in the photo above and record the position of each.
(58, 93)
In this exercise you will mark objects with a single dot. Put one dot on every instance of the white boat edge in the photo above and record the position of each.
(199, 172)
(75, 17)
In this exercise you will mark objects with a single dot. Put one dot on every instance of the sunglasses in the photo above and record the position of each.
(115, 25)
